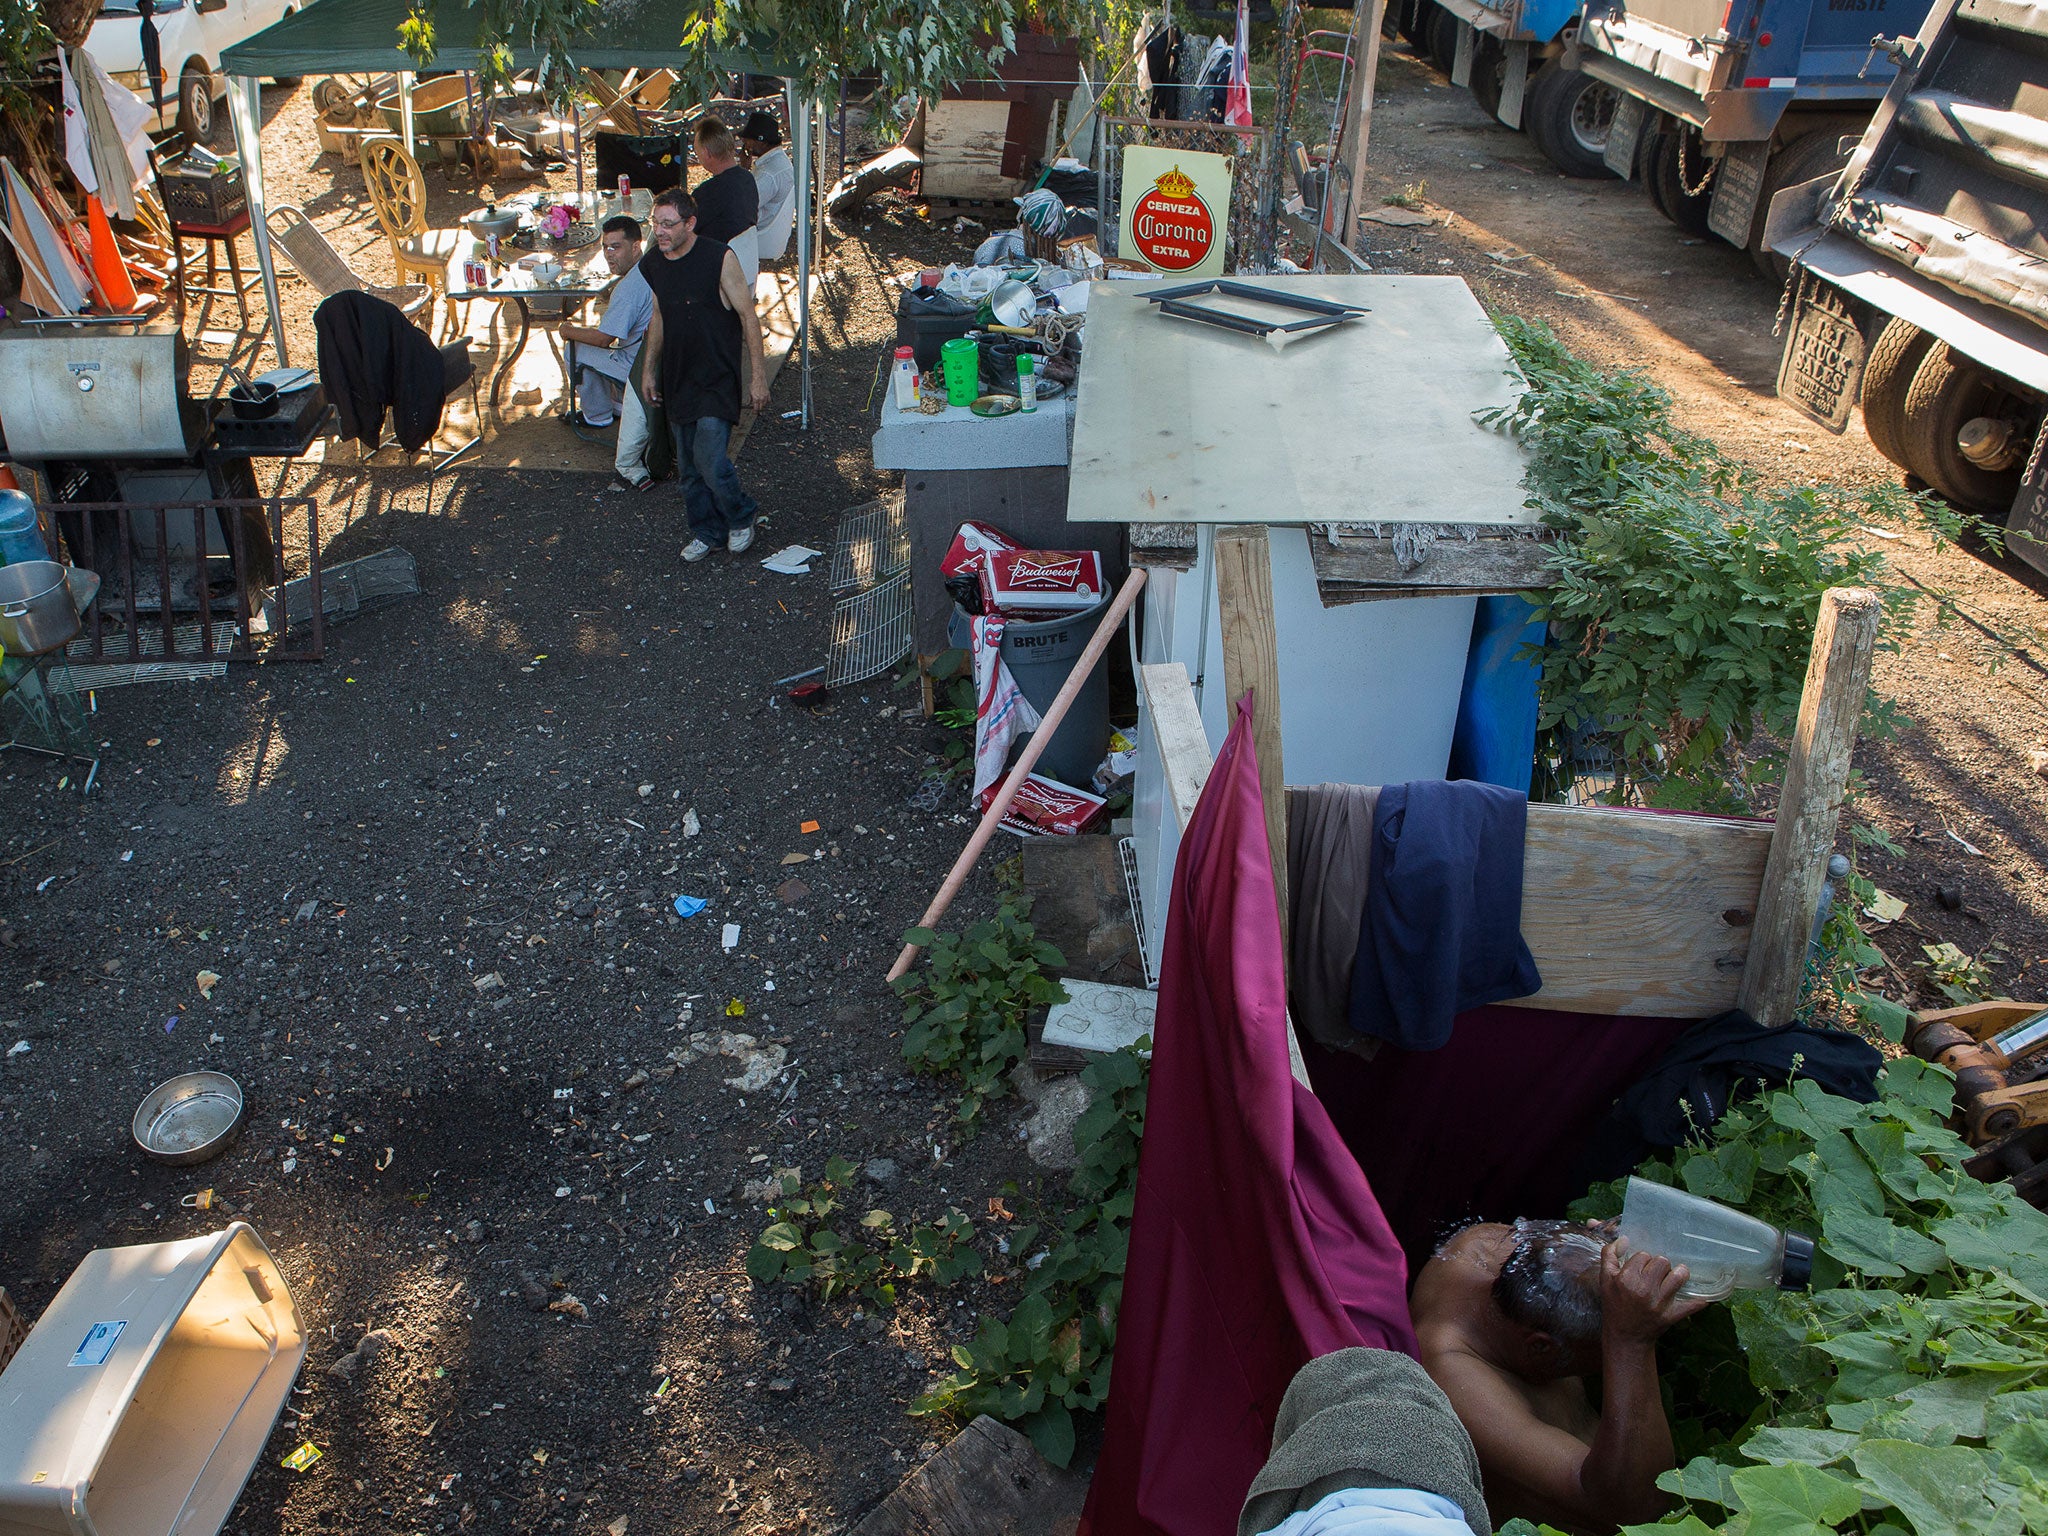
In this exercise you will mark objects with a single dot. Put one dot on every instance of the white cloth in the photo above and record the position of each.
(776, 179)
(630, 457)
(77, 140)
(1001, 712)
(1376, 1512)
(133, 117)
(746, 245)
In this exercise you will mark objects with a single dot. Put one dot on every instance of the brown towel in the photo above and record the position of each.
(1329, 852)
(1364, 1418)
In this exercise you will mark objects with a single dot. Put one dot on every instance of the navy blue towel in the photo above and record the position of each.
(1442, 930)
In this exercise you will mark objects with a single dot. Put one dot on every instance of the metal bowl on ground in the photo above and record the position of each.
(190, 1119)
(36, 611)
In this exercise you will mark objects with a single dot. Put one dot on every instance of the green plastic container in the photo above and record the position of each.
(960, 362)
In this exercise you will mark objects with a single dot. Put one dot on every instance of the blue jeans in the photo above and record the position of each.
(711, 486)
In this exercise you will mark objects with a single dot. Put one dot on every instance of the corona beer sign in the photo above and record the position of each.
(1176, 206)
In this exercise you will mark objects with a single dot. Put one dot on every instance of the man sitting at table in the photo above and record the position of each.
(602, 354)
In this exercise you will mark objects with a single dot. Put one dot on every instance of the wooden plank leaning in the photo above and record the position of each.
(1816, 776)
(1112, 623)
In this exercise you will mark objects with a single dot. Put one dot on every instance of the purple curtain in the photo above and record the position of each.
(1256, 1243)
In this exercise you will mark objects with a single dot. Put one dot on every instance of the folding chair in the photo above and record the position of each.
(315, 259)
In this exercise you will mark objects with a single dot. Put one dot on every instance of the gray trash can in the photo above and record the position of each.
(1041, 656)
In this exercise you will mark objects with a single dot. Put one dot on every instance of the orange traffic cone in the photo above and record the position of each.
(109, 271)
(7, 480)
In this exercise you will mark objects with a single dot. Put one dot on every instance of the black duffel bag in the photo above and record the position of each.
(656, 161)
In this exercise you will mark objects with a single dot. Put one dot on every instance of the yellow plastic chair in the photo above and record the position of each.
(398, 192)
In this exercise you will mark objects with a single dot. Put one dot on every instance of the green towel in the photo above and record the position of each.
(1364, 1418)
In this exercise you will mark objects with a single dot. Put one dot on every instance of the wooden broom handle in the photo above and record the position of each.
(1098, 642)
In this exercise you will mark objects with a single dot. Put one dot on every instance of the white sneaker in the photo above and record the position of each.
(695, 550)
(740, 540)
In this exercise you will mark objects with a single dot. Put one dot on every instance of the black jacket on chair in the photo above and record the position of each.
(372, 359)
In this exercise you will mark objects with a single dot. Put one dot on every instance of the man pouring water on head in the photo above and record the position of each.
(1514, 1320)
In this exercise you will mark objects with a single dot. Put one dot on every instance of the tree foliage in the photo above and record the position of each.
(912, 48)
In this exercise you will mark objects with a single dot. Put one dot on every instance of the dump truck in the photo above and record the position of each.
(1726, 102)
(1922, 269)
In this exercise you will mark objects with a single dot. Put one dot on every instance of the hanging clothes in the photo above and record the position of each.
(1163, 53)
(1329, 857)
(1443, 910)
(117, 124)
(1256, 1243)
(77, 142)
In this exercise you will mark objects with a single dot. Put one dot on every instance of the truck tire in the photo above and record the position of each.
(1948, 390)
(1688, 210)
(1567, 115)
(1441, 39)
(1811, 154)
(1415, 23)
(1900, 349)
(1489, 74)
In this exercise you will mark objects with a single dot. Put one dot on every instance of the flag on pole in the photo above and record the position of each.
(1237, 103)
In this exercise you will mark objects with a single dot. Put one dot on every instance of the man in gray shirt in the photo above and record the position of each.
(601, 356)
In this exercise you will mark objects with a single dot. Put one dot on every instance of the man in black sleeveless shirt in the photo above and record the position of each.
(695, 365)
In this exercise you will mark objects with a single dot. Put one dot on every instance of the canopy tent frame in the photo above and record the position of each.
(308, 41)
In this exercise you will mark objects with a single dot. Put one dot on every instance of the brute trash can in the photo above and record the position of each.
(139, 1402)
(1041, 655)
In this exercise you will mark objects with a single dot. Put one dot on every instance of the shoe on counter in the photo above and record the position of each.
(695, 550)
(740, 540)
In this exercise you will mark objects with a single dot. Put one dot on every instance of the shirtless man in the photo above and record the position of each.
(1512, 1320)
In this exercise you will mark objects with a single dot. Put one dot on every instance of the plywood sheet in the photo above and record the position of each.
(1372, 422)
(1633, 912)
(963, 150)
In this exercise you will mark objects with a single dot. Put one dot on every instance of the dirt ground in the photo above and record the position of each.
(436, 872)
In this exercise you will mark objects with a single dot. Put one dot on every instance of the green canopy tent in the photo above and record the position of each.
(361, 37)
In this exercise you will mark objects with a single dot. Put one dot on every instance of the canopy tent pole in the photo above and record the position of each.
(405, 80)
(800, 136)
(245, 111)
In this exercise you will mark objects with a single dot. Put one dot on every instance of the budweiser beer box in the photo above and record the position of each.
(961, 570)
(1041, 582)
(1044, 807)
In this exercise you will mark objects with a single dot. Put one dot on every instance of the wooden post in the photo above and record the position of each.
(1251, 664)
(1816, 774)
(1356, 132)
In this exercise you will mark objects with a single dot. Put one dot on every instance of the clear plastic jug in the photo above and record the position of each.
(1725, 1250)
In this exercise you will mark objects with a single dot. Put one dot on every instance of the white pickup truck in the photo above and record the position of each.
(192, 33)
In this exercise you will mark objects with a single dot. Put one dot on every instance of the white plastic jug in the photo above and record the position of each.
(1725, 1250)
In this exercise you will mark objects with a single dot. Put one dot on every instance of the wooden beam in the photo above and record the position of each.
(987, 1478)
(1361, 568)
(1810, 804)
(1251, 664)
(1176, 720)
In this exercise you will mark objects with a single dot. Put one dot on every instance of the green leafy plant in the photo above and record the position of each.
(1410, 196)
(1050, 1359)
(1683, 590)
(1907, 1391)
(818, 1240)
(964, 1012)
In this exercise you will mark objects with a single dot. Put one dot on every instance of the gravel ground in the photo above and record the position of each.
(435, 875)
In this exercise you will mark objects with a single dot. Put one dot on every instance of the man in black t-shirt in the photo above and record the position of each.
(729, 200)
(703, 343)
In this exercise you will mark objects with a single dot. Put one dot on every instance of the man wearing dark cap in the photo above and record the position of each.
(762, 153)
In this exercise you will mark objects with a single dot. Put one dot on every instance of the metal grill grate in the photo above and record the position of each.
(1127, 860)
(870, 632)
(872, 544)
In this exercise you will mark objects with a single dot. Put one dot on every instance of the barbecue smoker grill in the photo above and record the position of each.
(155, 490)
